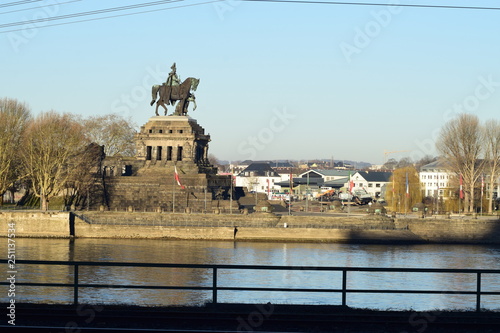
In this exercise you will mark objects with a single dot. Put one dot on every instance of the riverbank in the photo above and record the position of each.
(246, 318)
(253, 227)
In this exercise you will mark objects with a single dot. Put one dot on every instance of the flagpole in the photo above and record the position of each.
(349, 196)
(290, 192)
(231, 194)
(482, 191)
(307, 191)
(460, 194)
(173, 191)
(407, 193)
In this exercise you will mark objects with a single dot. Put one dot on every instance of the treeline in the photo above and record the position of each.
(470, 151)
(51, 154)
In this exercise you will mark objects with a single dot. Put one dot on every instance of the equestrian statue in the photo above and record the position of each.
(172, 91)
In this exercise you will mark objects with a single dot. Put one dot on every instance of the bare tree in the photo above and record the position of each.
(84, 175)
(52, 143)
(13, 118)
(404, 162)
(390, 164)
(113, 132)
(424, 161)
(460, 143)
(492, 156)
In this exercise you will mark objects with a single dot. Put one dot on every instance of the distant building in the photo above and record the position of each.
(279, 166)
(326, 175)
(260, 177)
(436, 180)
(371, 181)
(315, 181)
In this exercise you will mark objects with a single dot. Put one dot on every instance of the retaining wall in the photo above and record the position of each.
(262, 227)
(36, 224)
(453, 230)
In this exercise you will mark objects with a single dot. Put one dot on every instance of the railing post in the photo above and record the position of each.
(344, 287)
(478, 292)
(75, 285)
(214, 285)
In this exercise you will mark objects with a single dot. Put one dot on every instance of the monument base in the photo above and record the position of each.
(170, 172)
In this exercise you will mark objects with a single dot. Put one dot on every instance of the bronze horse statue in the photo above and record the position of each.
(170, 94)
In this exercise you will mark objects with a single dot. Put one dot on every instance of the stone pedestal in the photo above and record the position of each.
(148, 181)
(169, 140)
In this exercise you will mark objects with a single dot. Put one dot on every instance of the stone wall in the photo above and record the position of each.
(260, 227)
(85, 230)
(326, 235)
(155, 189)
(344, 222)
(36, 224)
(453, 230)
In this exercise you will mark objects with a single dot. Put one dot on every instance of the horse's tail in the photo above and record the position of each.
(154, 92)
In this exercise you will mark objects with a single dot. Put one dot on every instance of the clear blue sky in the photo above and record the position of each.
(278, 80)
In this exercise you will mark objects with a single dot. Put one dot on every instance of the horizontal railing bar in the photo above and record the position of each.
(363, 291)
(259, 267)
(35, 284)
(124, 286)
(415, 291)
(279, 289)
(116, 286)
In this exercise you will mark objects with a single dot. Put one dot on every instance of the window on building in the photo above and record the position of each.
(370, 185)
(377, 185)
(149, 151)
(169, 153)
(158, 153)
(179, 153)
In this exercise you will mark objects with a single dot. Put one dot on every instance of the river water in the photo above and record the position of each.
(255, 253)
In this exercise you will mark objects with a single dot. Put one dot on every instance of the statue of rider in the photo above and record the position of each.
(172, 80)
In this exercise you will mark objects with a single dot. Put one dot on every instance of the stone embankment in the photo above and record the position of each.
(253, 227)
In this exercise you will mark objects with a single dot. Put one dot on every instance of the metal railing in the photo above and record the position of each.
(76, 285)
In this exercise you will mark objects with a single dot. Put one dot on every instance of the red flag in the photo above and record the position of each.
(461, 187)
(351, 184)
(177, 178)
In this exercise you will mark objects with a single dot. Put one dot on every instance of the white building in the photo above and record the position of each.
(373, 182)
(260, 177)
(437, 180)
